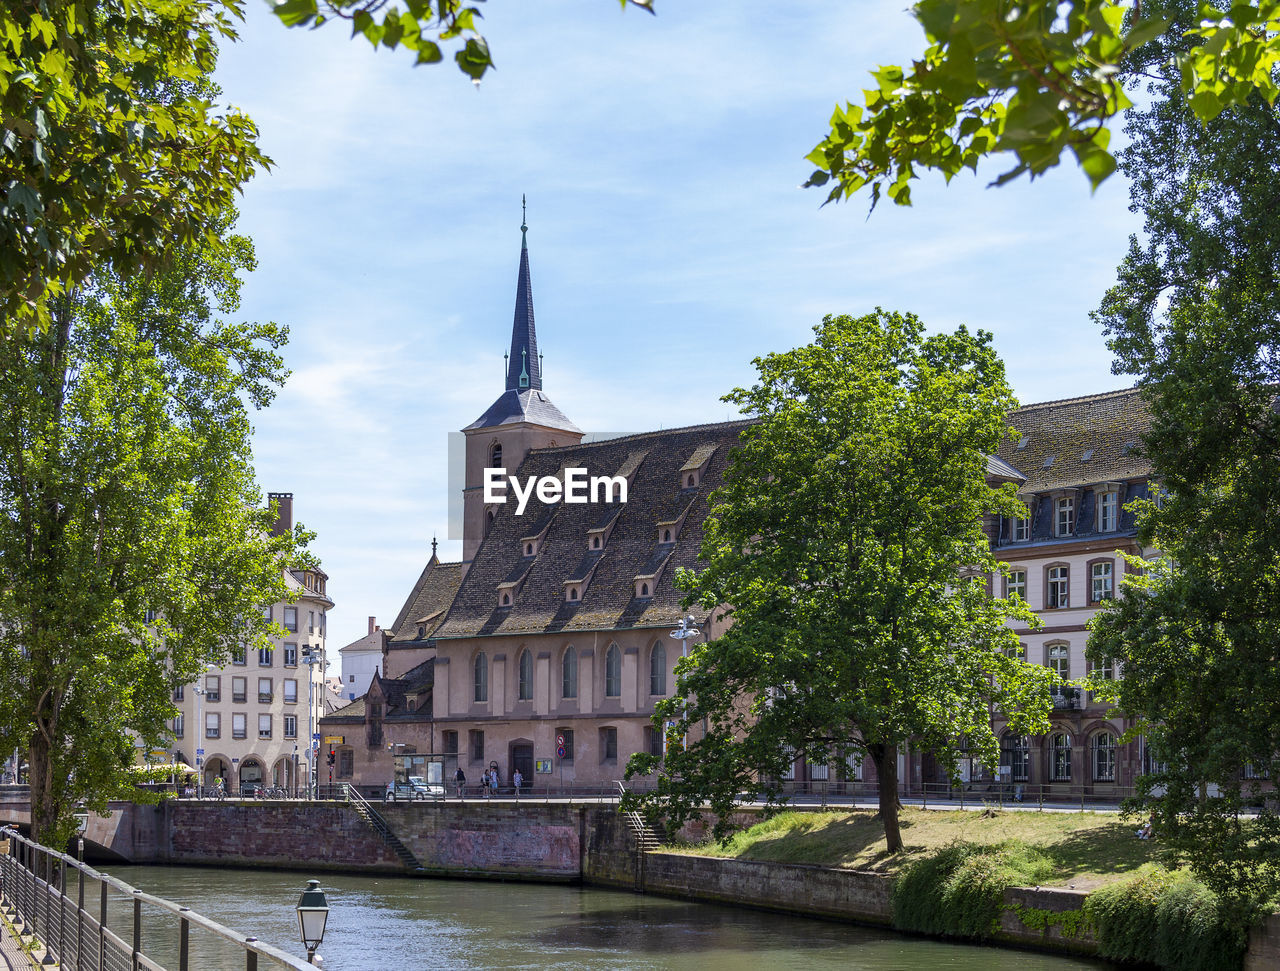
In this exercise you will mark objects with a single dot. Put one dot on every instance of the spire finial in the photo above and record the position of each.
(524, 229)
(433, 547)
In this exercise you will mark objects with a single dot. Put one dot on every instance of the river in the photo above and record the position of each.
(381, 923)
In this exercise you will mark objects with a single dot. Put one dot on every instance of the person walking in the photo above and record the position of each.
(460, 779)
(516, 780)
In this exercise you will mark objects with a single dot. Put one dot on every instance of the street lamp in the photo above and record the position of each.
(311, 657)
(82, 824)
(313, 914)
(683, 633)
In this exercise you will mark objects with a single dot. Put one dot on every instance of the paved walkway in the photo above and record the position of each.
(12, 956)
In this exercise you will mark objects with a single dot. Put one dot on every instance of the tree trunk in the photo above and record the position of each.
(44, 801)
(886, 760)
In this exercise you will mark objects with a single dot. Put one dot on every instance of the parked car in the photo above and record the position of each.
(415, 788)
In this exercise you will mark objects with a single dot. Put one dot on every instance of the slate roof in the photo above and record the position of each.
(427, 602)
(654, 495)
(1088, 440)
(414, 681)
(529, 405)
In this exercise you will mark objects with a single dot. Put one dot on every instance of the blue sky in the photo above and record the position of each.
(669, 242)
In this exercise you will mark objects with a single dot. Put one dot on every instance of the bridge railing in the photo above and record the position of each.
(36, 897)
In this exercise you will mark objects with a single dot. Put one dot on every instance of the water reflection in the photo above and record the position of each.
(379, 923)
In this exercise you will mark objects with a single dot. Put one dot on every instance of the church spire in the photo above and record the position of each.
(524, 366)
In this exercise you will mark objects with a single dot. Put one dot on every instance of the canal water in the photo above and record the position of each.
(393, 923)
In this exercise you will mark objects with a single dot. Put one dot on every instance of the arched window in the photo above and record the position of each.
(1104, 757)
(595, 542)
(495, 455)
(666, 536)
(1015, 754)
(613, 672)
(658, 669)
(1060, 757)
(569, 673)
(528, 549)
(573, 593)
(691, 480)
(488, 521)
(644, 589)
(481, 677)
(506, 600)
(526, 676)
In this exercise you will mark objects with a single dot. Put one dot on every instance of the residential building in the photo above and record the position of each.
(361, 660)
(248, 720)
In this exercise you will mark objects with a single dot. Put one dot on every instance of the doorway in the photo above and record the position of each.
(522, 761)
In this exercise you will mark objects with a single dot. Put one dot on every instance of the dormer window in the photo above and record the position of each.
(691, 480)
(642, 589)
(506, 600)
(573, 591)
(1108, 511)
(595, 542)
(666, 536)
(1064, 520)
(528, 549)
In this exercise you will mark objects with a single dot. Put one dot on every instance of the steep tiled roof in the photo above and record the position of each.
(353, 712)
(1079, 441)
(418, 680)
(528, 405)
(632, 550)
(428, 601)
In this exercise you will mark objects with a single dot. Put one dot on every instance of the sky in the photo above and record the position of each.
(669, 243)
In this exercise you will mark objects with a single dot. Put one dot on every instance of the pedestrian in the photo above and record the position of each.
(494, 781)
(484, 782)
(460, 778)
(516, 780)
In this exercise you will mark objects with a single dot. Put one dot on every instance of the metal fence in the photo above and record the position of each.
(70, 908)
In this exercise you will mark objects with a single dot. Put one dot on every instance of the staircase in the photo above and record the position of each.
(647, 838)
(379, 826)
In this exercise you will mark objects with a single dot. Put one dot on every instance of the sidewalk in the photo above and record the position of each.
(12, 956)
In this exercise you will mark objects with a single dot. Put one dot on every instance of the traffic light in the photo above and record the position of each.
(332, 757)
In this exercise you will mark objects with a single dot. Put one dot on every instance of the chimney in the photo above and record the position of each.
(373, 624)
(284, 517)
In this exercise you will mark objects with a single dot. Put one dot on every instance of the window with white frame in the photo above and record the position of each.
(1057, 589)
(239, 690)
(1060, 757)
(291, 655)
(264, 726)
(212, 725)
(1064, 516)
(290, 726)
(1016, 584)
(240, 655)
(179, 725)
(265, 694)
(239, 724)
(1108, 511)
(613, 672)
(290, 691)
(525, 685)
(291, 619)
(178, 692)
(265, 656)
(1104, 757)
(1100, 581)
(213, 687)
(1021, 531)
(268, 614)
(1058, 657)
(569, 673)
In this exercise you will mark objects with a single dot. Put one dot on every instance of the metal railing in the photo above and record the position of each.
(34, 885)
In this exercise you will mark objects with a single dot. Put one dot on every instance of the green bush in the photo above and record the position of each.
(959, 891)
(1169, 919)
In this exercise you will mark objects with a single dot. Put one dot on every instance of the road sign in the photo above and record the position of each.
(560, 750)
(316, 736)
(560, 739)
(199, 751)
(335, 740)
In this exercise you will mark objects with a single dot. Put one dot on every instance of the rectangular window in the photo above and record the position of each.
(653, 740)
(239, 724)
(290, 726)
(179, 725)
(1016, 584)
(311, 621)
(346, 763)
(567, 734)
(475, 744)
(1100, 585)
(212, 725)
(264, 726)
(291, 619)
(290, 691)
(291, 655)
(608, 745)
(267, 614)
(352, 679)
(1064, 516)
(265, 693)
(1022, 528)
(178, 692)
(449, 742)
(239, 655)
(1108, 512)
(1057, 587)
(212, 687)
(265, 654)
(322, 616)
(819, 772)
(853, 767)
(239, 690)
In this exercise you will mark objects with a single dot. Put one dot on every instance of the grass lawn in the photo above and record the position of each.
(1082, 849)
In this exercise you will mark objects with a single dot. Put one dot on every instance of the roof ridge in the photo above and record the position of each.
(1084, 397)
(743, 422)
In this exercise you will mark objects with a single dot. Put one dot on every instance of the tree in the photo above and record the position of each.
(133, 545)
(1195, 316)
(848, 542)
(112, 151)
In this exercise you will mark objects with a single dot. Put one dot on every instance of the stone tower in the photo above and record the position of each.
(522, 418)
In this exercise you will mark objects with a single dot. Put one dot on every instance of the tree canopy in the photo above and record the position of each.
(1195, 316)
(846, 547)
(134, 547)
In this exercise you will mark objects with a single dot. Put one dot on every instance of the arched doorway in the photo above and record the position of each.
(216, 766)
(251, 775)
(282, 774)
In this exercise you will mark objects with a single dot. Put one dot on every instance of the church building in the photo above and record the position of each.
(545, 648)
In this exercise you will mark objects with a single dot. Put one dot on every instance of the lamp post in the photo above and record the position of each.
(311, 657)
(199, 730)
(683, 633)
(82, 824)
(313, 914)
